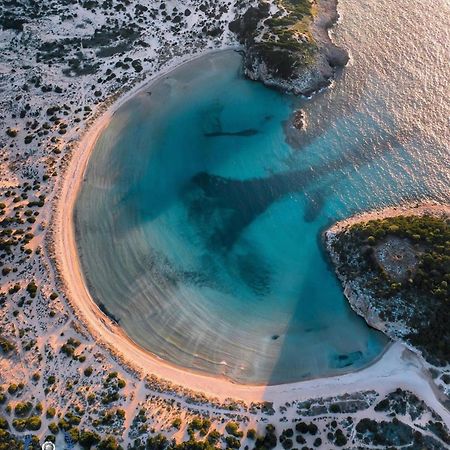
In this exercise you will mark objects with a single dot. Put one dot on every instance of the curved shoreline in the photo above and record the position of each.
(71, 263)
(417, 208)
(144, 362)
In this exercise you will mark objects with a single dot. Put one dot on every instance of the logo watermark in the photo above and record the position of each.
(48, 445)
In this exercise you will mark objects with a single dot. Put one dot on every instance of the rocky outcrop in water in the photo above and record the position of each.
(290, 49)
(299, 120)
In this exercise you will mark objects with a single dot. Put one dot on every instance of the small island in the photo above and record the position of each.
(395, 269)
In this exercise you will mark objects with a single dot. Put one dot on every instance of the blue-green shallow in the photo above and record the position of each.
(199, 226)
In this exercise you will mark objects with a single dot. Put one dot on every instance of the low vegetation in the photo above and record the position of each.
(282, 41)
(403, 263)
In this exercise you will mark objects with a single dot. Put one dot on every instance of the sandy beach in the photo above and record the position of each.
(396, 367)
(409, 209)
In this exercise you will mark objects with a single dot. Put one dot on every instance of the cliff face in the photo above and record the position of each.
(290, 49)
(361, 302)
(393, 266)
(303, 81)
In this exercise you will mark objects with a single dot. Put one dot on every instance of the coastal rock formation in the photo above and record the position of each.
(299, 120)
(393, 265)
(361, 303)
(290, 49)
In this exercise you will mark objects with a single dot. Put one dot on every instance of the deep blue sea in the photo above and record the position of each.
(199, 222)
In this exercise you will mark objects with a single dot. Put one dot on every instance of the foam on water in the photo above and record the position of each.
(200, 218)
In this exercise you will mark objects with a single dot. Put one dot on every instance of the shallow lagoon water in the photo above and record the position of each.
(200, 218)
(200, 234)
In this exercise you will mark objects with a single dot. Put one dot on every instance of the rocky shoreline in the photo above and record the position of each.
(303, 65)
(360, 300)
(362, 303)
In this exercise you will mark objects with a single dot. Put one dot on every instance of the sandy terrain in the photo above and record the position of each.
(411, 209)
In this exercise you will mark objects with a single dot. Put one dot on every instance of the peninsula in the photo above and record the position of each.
(394, 266)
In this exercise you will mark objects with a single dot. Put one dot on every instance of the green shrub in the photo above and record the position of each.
(3, 423)
(233, 429)
(32, 288)
(251, 434)
(88, 439)
(53, 427)
(157, 442)
(33, 423)
(12, 388)
(176, 423)
(5, 345)
(232, 442)
(19, 424)
(22, 408)
(213, 437)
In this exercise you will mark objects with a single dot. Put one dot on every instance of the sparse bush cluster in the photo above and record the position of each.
(112, 385)
(69, 347)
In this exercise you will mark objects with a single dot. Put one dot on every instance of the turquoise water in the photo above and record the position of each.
(199, 222)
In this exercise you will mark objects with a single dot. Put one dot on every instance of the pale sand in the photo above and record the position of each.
(397, 367)
(410, 209)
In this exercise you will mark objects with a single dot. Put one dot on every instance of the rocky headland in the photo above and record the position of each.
(288, 46)
(394, 268)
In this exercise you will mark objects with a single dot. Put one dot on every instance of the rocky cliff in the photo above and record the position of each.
(288, 46)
